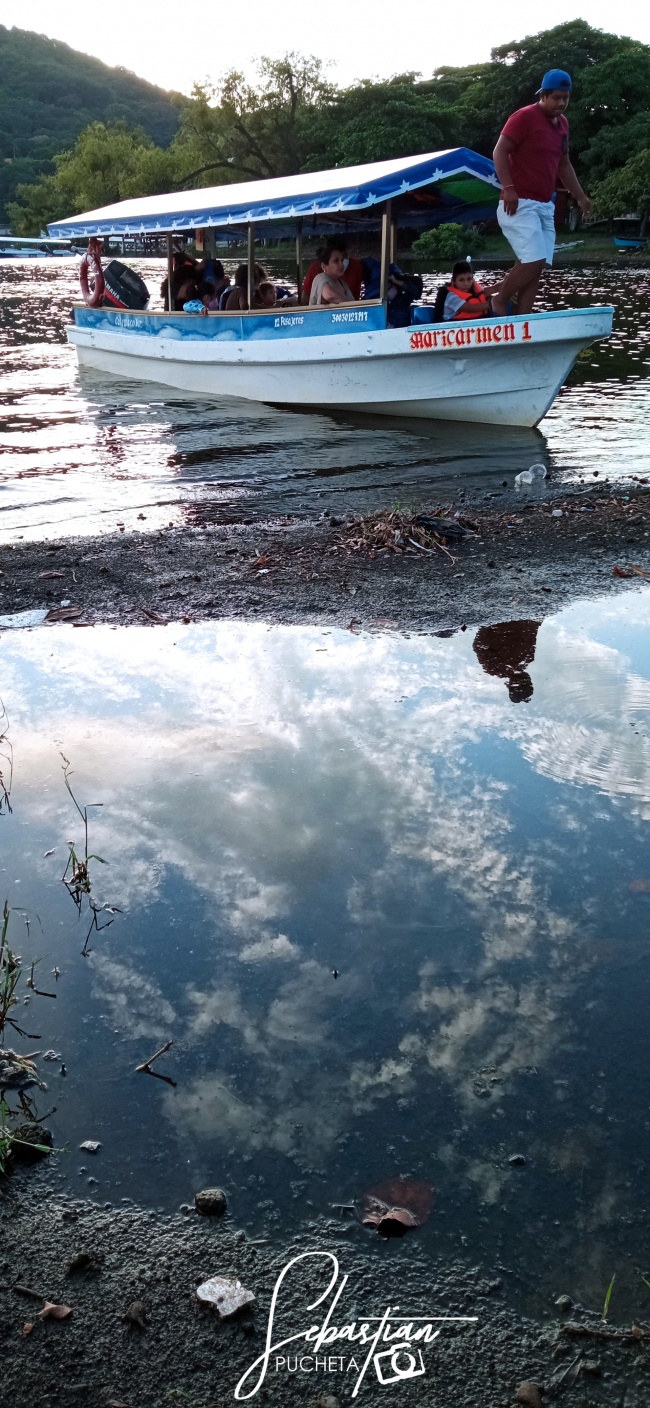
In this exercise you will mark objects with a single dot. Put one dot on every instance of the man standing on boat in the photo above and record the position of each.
(531, 158)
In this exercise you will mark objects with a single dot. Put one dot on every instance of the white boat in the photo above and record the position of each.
(21, 247)
(346, 357)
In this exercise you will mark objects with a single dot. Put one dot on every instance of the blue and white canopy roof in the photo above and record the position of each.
(344, 191)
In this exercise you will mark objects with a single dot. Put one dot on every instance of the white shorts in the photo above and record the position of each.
(531, 230)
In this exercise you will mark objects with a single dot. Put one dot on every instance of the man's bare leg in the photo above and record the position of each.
(523, 280)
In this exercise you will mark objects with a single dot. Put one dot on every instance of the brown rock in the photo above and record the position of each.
(529, 1394)
(136, 1315)
(211, 1202)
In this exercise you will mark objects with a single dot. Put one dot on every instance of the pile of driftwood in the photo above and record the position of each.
(405, 532)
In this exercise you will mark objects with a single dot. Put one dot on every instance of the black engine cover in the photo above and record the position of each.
(124, 288)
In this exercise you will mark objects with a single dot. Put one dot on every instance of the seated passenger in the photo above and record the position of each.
(237, 300)
(265, 295)
(211, 272)
(402, 290)
(207, 297)
(183, 281)
(330, 286)
(462, 298)
(353, 270)
(194, 302)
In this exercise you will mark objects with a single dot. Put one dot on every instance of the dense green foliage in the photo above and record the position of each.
(628, 189)
(448, 242)
(293, 119)
(49, 93)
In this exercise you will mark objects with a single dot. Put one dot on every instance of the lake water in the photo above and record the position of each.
(82, 453)
(469, 852)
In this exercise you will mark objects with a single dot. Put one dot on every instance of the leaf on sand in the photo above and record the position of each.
(64, 613)
(620, 572)
(43, 576)
(153, 616)
(227, 1296)
(396, 1205)
(51, 1311)
(28, 1327)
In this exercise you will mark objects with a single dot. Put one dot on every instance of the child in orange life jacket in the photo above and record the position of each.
(462, 298)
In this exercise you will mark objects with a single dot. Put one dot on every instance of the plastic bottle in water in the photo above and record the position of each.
(528, 476)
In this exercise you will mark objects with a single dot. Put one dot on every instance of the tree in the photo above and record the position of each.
(105, 164)
(448, 242)
(614, 145)
(627, 191)
(514, 74)
(237, 131)
(292, 118)
(376, 121)
(614, 120)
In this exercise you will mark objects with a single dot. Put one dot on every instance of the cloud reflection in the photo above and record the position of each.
(357, 808)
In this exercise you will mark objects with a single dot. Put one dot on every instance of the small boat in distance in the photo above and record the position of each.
(503, 371)
(627, 232)
(19, 247)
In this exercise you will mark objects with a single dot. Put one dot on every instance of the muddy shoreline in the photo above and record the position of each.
(184, 1354)
(526, 553)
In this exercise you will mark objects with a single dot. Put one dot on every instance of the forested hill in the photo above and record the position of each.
(49, 93)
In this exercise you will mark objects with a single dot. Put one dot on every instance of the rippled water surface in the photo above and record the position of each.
(80, 453)
(466, 845)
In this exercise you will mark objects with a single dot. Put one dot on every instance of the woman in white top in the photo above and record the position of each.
(329, 286)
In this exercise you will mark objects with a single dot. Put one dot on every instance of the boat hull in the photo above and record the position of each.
(493, 371)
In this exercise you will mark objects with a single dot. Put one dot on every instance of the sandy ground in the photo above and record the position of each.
(183, 1354)
(528, 554)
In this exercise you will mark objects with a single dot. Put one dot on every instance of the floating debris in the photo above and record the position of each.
(397, 1205)
(18, 1072)
(227, 1296)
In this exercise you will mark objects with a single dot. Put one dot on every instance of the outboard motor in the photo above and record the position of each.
(124, 288)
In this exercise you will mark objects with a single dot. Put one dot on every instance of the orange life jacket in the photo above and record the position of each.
(475, 303)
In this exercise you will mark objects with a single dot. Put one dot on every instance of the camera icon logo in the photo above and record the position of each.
(391, 1371)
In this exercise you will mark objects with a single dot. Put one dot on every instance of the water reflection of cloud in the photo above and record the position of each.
(269, 946)
(135, 1000)
(249, 762)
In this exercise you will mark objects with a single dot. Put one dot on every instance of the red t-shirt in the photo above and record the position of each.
(353, 277)
(540, 145)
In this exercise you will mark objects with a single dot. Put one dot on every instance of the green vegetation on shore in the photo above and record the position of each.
(295, 119)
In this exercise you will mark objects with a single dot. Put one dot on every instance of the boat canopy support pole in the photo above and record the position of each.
(299, 258)
(170, 265)
(385, 249)
(251, 264)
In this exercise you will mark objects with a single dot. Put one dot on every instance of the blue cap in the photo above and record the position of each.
(556, 80)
